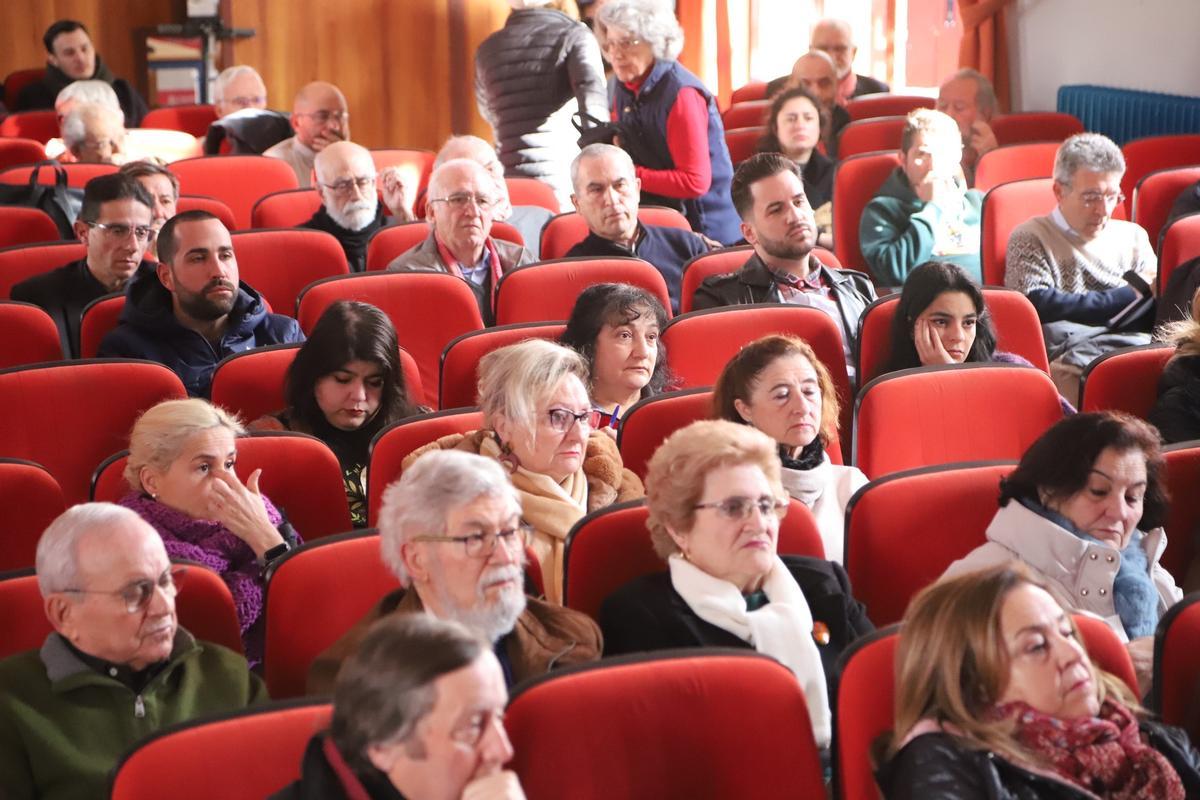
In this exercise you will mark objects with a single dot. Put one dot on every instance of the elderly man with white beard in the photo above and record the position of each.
(451, 530)
(350, 208)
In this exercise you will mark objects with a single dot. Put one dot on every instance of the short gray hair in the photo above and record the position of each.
(75, 125)
(985, 93)
(1091, 151)
(227, 77)
(159, 434)
(600, 150)
(513, 380)
(92, 92)
(652, 21)
(57, 562)
(436, 190)
(428, 490)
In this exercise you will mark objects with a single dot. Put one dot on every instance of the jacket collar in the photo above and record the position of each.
(755, 273)
(148, 305)
(67, 671)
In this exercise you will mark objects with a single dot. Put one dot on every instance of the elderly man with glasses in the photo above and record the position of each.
(451, 531)
(350, 209)
(1090, 277)
(116, 225)
(319, 118)
(117, 666)
(463, 199)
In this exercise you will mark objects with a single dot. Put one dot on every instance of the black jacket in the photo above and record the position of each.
(853, 291)
(320, 781)
(937, 766)
(1176, 413)
(354, 243)
(149, 330)
(668, 249)
(63, 293)
(648, 614)
(42, 94)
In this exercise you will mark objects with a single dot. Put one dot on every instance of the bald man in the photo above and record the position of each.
(319, 118)
(815, 71)
(350, 208)
(461, 205)
(835, 38)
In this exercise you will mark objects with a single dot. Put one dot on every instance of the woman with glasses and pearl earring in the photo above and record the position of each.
(715, 502)
(539, 423)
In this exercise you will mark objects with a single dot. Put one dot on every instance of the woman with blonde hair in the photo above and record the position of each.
(539, 423)
(996, 698)
(181, 469)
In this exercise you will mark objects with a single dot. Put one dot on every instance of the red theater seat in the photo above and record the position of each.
(387, 243)
(460, 359)
(1004, 208)
(285, 209)
(1125, 379)
(1154, 195)
(41, 126)
(99, 318)
(195, 202)
(856, 181)
(531, 192)
(742, 143)
(193, 119)
(1183, 517)
(27, 335)
(704, 715)
(17, 80)
(21, 226)
(564, 231)
(547, 290)
(238, 181)
(1180, 244)
(1152, 153)
(1176, 691)
(280, 263)
(77, 174)
(17, 151)
(19, 263)
(1037, 126)
(31, 499)
(1016, 162)
(648, 422)
(876, 135)
(885, 104)
(750, 114)
(754, 90)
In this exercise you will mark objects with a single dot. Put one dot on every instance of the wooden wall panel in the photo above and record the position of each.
(112, 23)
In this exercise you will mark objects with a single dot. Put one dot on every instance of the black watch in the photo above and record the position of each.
(275, 552)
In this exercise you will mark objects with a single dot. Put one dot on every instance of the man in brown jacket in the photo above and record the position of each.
(451, 530)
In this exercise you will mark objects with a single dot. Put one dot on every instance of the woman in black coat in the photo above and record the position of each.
(1176, 414)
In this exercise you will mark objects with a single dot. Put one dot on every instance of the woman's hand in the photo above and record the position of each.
(396, 195)
(1141, 652)
(500, 785)
(241, 509)
(929, 345)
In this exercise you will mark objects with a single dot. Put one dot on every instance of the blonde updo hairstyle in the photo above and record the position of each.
(515, 380)
(159, 435)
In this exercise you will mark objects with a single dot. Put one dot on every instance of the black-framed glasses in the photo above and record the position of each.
(459, 201)
(347, 185)
(483, 544)
(137, 595)
(119, 230)
(561, 420)
(739, 507)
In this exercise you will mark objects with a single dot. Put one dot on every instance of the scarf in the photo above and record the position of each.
(550, 507)
(806, 476)
(354, 243)
(1104, 754)
(781, 629)
(454, 266)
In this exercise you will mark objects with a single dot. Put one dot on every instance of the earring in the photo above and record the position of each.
(508, 458)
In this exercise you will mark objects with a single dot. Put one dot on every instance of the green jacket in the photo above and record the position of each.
(896, 232)
(63, 725)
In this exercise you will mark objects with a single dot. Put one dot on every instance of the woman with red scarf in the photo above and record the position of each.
(996, 698)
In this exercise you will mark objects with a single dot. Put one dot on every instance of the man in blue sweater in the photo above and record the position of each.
(606, 191)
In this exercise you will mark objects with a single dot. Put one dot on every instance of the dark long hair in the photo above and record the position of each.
(347, 331)
(616, 304)
(770, 143)
(924, 285)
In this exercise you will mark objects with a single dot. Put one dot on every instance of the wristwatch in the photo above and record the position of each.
(275, 552)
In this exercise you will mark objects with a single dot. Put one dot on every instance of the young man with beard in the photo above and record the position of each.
(777, 220)
(451, 531)
(350, 209)
(193, 311)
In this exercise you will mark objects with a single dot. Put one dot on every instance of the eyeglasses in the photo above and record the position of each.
(1094, 199)
(137, 595)
(119, 230)
(250, 101)
(739, 508)
(620, 45)
(323, 117)
(461, 200)
(346, 186)
(562, 420)
(482, 545)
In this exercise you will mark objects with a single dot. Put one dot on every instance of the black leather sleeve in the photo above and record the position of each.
(935, 767)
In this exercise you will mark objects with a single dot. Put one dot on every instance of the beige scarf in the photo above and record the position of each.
(551, 508)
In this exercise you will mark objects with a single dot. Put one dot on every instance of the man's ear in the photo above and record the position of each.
(82, 230)
(748, 233)
(1060, 191)
(165, 277)
(58, 610)
(416, 561)
(575, 201)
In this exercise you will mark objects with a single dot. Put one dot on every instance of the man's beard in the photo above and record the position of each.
(198, 306)
(785, 248)
(489, 618)
(356, 215)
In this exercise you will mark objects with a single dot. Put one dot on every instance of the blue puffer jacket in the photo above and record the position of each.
(149, 330)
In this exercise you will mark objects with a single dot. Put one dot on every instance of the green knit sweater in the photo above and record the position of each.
(63, 725)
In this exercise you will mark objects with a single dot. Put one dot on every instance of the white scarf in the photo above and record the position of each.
(781, 629)
(807, 485)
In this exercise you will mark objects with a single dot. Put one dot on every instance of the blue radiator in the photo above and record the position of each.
(1125, 114)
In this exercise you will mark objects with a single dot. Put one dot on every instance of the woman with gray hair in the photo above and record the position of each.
(181, 469)
(667, 118)
(539, 424)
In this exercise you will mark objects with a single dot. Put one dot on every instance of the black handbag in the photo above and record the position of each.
(59, 202)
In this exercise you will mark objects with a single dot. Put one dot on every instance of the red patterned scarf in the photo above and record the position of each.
(1103, 754)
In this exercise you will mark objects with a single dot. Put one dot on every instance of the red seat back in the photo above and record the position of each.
(879, 134)
(237, 181)
(31, 499)
(727, 259)
(865, 697)
(19, 226)
(280, 263)
(285, 209)
(904, 530)
(17, 80)
(428, 309)
(856, 180)
(754, 90)
(27, 335)
(1183, 517)
(1176, 691)
(1037, 126)
(1152, 153)
(939, 415)
(41, 126)
(99, 317)
(701, 713)
(22, 614)
(16, 151)
(1106, 650)
(460, 359)
(1125, 379)
(19, 263)
(647, 423)
(1018, 330)
(885, 104)
(415, 164)
(742, 142)
(750, 114)
(193, 119)
(194, 202)
(70, 416)
(1180, 244)
(547, 290)
(77, 174)
(387, 243)
(396, 442)
(531, 192)
(564, 231)
(179, 762)
(1154, 195)
(1016, 162)
(1004, 208)
(347, 567)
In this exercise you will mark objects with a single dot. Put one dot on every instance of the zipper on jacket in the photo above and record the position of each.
(139, 707)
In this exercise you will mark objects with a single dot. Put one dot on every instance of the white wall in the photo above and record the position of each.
(1152, 45)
